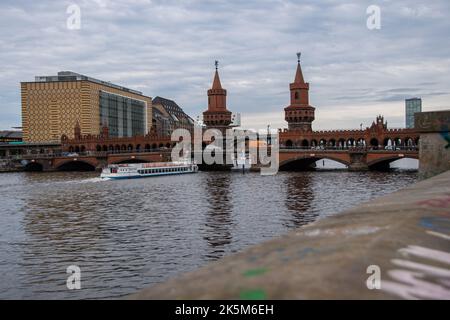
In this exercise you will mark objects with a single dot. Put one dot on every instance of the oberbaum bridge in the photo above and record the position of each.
(374, 147)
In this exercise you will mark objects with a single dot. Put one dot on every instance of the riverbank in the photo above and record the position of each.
(403, 237)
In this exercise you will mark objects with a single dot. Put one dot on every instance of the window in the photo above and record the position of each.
(124, 116)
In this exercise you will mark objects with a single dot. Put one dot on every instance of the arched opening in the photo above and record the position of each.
(154, 146)
(76, 166)
(341, 143)
(138, 148)
(313, 143)
(395, 162)
(305, 143)
(332, 143)
(147, 147)
(307, 164)
(117, 148)
(123, 148)
(361, 142)
(409, 143)
(77, 149)
(83, 149)
(322, 143)
(105, 148)
(288, 143)
(168, 145)
(111, 148)
(34, 167)
(374, 143)
(161, 145)
(388, 144)
(329, 164)
(304, 164)
(98, 148)
(130, 147)
(405, 164)
(350, 143)
(71, 150)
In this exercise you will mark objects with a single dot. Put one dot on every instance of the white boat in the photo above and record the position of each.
(143, 170)
(242, 163)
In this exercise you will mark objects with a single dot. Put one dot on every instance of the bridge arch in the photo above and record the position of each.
(304, 163)
(76, 165)
(34, 166)
(384, 162)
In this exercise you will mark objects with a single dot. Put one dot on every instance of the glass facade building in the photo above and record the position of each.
(412, 106)
(124, 116)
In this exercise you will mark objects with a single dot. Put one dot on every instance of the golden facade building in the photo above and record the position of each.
(54, 105)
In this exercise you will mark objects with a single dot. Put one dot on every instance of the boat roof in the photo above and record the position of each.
(148, 165)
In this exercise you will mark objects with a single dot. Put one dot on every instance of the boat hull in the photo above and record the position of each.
(141, 176)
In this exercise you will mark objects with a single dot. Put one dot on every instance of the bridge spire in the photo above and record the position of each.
(299, 114)
(299, 74)
(217, 114)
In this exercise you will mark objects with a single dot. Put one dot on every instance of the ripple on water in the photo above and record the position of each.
(128, 234)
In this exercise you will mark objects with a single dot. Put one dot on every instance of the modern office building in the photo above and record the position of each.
(412, 106)
(53, 105)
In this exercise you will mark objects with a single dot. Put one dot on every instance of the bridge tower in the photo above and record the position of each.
(217, 115)
(299, 114)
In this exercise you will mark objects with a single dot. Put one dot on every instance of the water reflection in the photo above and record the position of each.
(218, 216)
(299, 198)
(126, 235)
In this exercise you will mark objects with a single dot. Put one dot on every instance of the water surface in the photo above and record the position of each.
(128, 234)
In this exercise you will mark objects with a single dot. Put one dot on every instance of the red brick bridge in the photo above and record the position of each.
(354, 158)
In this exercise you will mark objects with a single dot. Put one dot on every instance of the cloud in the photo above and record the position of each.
(167, 48)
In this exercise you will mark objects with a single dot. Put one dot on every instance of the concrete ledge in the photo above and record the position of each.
(406, 234)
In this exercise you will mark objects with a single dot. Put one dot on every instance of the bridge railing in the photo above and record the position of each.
(364, 149)
(134, 152)
(79, 154)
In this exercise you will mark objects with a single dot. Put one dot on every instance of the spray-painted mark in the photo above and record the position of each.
(426, 253)
(254, 272)
(364, 230)
(439, 235)
(361, 231)
(436, 203)
(439, 224)
(420, 280)
(254, 294)
(446, 137)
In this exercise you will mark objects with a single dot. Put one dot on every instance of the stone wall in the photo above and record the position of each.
(434, 147)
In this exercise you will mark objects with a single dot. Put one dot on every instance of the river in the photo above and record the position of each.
(126, 235)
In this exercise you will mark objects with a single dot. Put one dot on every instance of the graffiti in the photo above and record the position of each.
(419, 280)
(446, 136)
(436, 203)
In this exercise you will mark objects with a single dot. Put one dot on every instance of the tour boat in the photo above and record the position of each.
(143, 170)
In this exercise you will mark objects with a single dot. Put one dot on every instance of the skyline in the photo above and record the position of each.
(171, 48)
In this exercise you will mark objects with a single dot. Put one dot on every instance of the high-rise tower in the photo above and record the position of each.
(299, 114)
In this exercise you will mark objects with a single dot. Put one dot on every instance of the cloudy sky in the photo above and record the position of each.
(168, 48)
